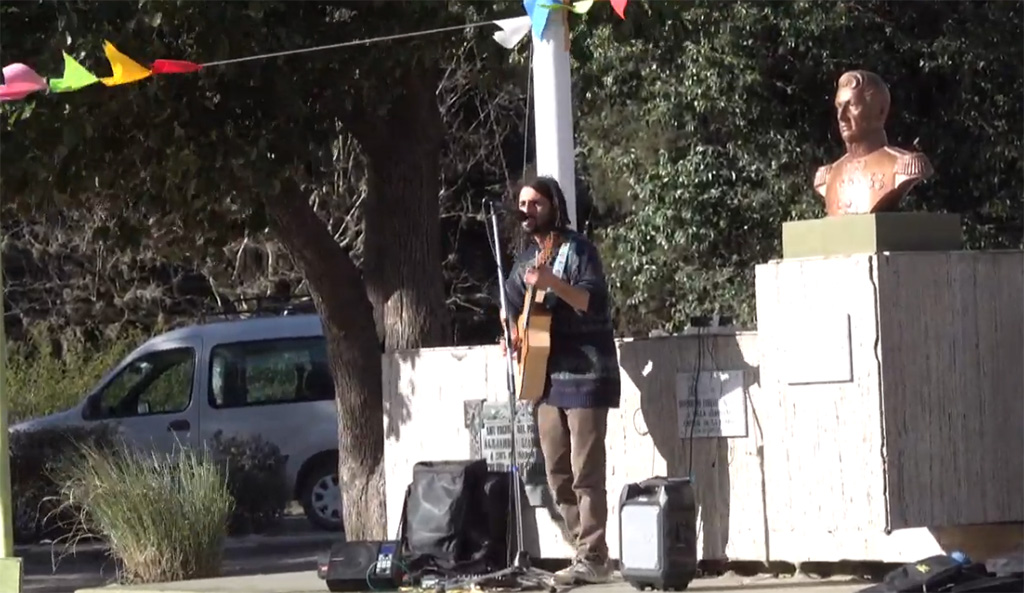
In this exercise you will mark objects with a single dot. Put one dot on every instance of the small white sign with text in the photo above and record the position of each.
(711, 404)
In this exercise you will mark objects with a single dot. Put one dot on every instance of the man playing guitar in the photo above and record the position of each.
(582, 381)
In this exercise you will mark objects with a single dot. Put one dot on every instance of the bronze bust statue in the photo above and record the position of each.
(872, 176)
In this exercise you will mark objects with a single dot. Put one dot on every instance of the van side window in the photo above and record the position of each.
(269, 372)
(155, 383)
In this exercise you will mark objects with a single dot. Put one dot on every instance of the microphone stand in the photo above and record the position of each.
(521, 570)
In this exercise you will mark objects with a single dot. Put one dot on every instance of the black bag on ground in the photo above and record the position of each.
(935, 573)
(990, 584)
(455, 519)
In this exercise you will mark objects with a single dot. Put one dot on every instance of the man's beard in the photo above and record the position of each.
(537, 227)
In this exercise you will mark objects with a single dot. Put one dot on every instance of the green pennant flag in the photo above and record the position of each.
(580, 7)
(75, 77)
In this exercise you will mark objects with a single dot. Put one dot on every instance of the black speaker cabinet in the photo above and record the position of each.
(361, 566)
(658, 534)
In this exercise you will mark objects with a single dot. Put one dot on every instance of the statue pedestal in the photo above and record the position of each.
(871, 233)
(903, 398)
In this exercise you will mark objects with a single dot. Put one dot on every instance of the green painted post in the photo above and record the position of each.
(10, 567)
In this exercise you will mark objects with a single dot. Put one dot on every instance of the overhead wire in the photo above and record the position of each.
(368, 41)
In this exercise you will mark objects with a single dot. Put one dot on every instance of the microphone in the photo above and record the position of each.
(500, 208)
(516, 214)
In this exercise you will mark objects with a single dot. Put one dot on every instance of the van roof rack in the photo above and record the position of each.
(259, 306)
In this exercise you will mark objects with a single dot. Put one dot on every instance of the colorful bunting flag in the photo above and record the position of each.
(619, 6)
(581, 7)
(512, 31)
(75, 77)
(174, 67)
(538, 16)
(124, 69)
(20, 81)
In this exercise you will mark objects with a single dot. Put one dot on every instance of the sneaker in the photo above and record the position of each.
(584, 572)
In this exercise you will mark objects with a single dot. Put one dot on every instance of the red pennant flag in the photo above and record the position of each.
(620, 8)
(174, 67)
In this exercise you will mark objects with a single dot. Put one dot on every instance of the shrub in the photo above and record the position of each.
(34, 458)
(44, 376)
(165, 517)
(255, 470)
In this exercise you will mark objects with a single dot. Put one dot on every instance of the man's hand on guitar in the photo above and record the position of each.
(541, 276)
(516, 341)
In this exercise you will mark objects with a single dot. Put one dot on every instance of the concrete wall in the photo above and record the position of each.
(758, 500)
(425, 393)
(952, 353)
(899, 375)
(827, 466)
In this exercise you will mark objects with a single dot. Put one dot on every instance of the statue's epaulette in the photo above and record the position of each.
(913, 164)
(821, 175)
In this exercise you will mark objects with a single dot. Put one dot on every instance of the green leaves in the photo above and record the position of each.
(221, 137)
(702, 124)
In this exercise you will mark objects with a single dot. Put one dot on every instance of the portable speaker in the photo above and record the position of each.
(658, 534)
(361, 566)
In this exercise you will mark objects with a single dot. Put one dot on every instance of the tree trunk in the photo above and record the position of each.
(401, 217)
(354, 352)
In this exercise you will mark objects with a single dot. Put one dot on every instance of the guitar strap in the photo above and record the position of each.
(559, 270)
(561, 259)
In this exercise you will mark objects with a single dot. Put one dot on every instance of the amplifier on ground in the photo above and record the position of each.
(658, 534)
(361, 566)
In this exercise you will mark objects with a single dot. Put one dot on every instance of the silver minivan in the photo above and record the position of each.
(262, 376)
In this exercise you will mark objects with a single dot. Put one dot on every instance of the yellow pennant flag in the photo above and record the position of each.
(124, 69)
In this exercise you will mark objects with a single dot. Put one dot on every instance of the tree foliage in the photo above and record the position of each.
(702, 124)
(238, 149)
(81, 261)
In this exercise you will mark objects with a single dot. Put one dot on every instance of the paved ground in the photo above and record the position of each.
(71, 576)
(308, 582)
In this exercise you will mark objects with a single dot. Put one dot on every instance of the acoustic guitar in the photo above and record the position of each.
(534, 326)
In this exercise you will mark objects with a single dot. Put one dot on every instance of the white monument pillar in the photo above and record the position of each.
(553, 108)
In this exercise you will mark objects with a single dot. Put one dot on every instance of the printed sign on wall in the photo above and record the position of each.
(491, 429)
(711, 404)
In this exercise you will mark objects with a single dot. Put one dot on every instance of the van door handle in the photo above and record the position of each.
(178, 425)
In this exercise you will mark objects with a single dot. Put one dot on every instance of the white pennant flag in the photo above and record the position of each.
(512, 31)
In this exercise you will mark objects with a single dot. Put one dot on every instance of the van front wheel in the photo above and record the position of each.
(321, 497)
